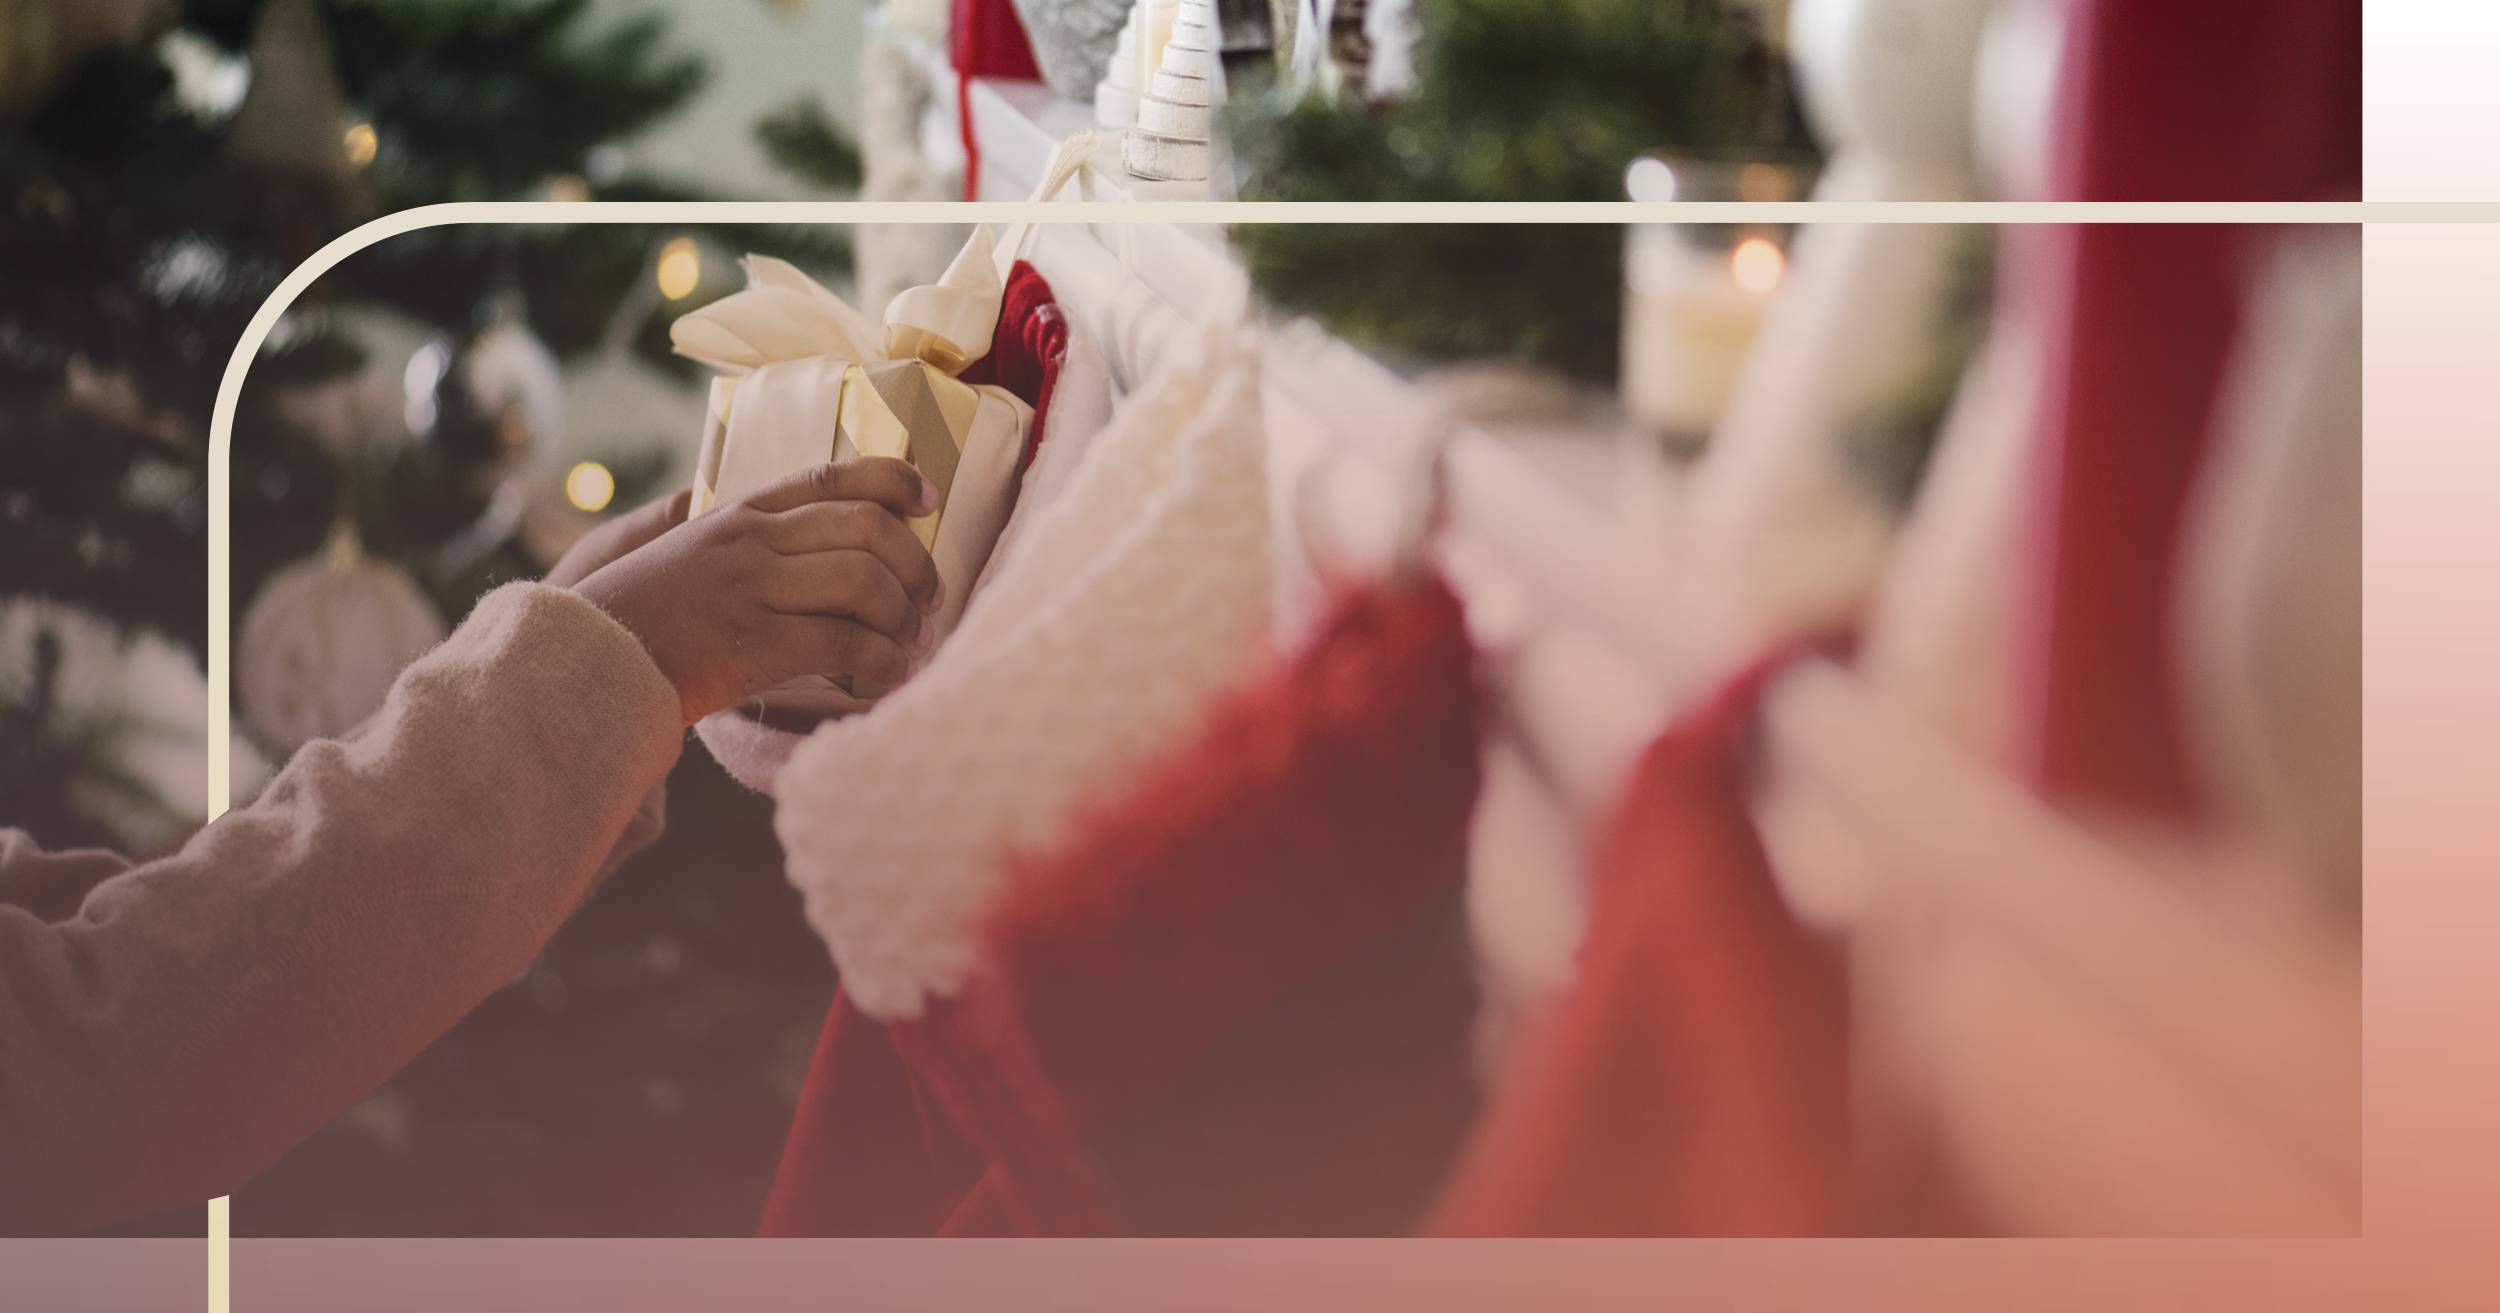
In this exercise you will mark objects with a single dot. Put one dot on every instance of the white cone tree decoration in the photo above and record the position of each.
(1115, 96)
(1176, 110)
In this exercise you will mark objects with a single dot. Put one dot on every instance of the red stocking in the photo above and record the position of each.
(1693, 1079)
(1236, 1001)
(985, 39)
(1030, 344)
(2226, 100)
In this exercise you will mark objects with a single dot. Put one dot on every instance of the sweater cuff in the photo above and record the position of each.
(620, 686)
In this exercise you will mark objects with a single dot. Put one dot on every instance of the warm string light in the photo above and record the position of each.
(680, 269)
(362, 144)
(1759, 265)
(590, 486)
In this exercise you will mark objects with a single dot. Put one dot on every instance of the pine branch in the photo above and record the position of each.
(485, 99)
(805, 142)
(1546, 294)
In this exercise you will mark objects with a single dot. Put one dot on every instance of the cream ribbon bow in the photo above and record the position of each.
(785, 315)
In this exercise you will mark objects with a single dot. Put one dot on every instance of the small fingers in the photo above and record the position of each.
(847, 583)
(828, 645)
(860, 526)
(890, 483)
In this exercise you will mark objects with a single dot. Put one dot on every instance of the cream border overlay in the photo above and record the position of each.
(221, 424)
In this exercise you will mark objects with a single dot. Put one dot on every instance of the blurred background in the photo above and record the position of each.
(452, 408)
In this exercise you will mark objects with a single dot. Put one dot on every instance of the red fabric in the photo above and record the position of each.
(865, 1158)
(985, 39)
(1693, 1080)
(1237, 1001)
(1027, 349)
(2223, 100)
(2219, 100)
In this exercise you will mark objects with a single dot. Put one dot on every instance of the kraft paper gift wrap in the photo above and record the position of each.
(807, 379)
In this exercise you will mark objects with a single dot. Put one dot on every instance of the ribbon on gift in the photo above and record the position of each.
(793, 352)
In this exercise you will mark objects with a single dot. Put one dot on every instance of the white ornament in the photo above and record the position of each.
(512, 375)
(323, 642)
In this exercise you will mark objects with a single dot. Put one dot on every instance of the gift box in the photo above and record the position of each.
(808, 379)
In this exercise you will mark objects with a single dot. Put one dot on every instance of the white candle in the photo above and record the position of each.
(1689, 315)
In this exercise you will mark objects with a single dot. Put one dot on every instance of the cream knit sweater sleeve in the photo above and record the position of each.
(168, 1029)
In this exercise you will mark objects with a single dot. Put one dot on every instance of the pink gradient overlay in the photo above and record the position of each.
(2433, 488)
(2429, 100)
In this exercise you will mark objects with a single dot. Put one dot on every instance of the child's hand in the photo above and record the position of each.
(815, 575)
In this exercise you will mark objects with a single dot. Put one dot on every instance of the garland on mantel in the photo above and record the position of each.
(1513, 100)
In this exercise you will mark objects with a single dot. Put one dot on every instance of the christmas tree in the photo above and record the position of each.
(639, 1074)
(158, 191)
